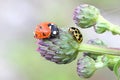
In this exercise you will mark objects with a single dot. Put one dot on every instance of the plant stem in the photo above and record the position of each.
(115, 29)
(98, 50)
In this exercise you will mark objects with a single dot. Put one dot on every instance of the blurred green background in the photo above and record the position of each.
(19, 59)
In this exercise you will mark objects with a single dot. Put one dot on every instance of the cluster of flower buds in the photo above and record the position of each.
(64, 49)
(91, 62)
(86, 16)
(62, 45)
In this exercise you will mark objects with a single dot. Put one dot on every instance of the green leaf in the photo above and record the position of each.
(116, 69)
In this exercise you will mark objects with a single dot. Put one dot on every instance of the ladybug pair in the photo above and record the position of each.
(46, 30)
(50, 30)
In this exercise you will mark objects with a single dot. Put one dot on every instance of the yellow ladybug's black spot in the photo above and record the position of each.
(76, 34)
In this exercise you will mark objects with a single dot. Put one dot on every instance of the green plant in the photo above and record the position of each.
(63, 49)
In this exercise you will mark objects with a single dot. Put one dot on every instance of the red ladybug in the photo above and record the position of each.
(46, 30)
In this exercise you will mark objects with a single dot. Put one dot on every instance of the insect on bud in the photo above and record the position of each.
(61, 50)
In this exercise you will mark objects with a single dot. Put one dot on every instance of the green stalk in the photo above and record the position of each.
(98, 50)
(115, 29)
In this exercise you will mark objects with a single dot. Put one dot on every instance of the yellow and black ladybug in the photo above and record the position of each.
(76, 34)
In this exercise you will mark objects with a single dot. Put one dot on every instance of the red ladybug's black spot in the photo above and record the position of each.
(44, 34)
(40, 27)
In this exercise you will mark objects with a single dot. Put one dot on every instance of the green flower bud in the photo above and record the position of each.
(94, 42)
(86, 67)
(100, 27)
(61, 50)
(112, 60)
(85, 15)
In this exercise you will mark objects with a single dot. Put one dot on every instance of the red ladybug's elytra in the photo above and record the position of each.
(45, 30)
